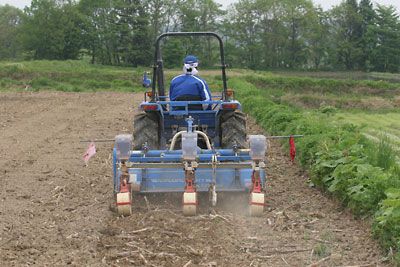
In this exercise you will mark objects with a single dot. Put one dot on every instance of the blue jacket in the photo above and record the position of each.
(189, 85)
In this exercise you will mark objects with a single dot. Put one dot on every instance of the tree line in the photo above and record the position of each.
(258, 34)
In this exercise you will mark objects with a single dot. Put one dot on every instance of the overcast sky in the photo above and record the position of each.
(326, 4)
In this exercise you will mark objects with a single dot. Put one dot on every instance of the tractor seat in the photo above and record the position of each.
(189, 98)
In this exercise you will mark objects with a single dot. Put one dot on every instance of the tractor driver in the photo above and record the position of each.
(188, 86)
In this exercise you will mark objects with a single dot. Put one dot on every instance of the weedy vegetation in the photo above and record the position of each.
(362, 172)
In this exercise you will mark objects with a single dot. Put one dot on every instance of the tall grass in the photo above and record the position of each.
(383, 154)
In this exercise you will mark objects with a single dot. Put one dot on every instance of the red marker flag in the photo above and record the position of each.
(89, 152)
(292, 148)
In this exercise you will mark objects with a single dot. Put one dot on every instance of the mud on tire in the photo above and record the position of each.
(145, 129)
(233, 129)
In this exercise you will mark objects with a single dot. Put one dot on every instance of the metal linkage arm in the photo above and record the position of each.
(172, 146)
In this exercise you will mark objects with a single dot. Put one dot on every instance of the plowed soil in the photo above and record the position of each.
(55, 211)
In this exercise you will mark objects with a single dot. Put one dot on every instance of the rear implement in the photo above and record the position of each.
(190, 171)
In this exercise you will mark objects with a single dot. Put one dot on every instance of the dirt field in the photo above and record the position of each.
(56, 211)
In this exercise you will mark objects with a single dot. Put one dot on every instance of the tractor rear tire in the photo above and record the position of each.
(233, 129)
(145, 130)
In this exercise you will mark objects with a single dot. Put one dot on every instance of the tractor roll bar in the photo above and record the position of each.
(158, 72)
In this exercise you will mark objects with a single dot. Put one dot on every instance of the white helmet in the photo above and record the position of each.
(190, 64)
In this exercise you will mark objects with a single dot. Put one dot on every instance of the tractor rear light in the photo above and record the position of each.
(149, 107)
(230, 106)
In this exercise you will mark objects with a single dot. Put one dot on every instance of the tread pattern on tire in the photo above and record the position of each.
(145, 129)
(233, 129)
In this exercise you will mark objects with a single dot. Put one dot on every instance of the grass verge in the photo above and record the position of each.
(68, 76)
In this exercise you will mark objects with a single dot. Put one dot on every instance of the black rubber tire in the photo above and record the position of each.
(233, 129)
(145, 129)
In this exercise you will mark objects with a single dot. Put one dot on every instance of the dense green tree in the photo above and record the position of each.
(243, 31)
(258, 34)
(97, 35)
(276, 34)
(73, 23)
(368, 39)
(210, 12)
(10, 20)
(52, 30)
(299, 16)
(162, 16)
(41, 33)
(346, 21)
(117, 32)
(318, 39)
(386, 54)
(193, 15)
(132, 29)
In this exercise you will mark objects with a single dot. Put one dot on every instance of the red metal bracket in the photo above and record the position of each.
(125, 187)
(255, 178)
(189, 180)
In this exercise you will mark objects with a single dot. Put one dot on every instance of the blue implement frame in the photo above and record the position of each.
(163, 171)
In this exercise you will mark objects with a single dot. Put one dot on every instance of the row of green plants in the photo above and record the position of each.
(68, 76)
(363, 175)
(78, 76)
(325, 85)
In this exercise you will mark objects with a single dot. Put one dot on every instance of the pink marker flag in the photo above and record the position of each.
(89, 152)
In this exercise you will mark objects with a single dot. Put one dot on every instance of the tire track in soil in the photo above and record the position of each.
(55, 211)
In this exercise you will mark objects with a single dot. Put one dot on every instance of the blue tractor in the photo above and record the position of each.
(179, 147)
